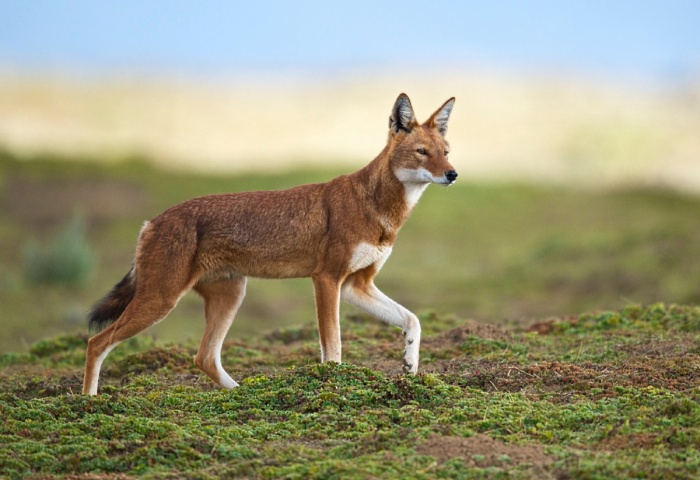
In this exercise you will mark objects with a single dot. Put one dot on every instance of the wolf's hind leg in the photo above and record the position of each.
(222, 298)
(142, 312)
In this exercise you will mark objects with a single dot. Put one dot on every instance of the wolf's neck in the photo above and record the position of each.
(390, 197)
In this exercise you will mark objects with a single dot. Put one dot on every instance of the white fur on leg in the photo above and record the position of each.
(225, 379)
(374, 302)
(412, 335)
(219, 316)
(95, 378)
(212, 354)
(332, 354)
(216, 344)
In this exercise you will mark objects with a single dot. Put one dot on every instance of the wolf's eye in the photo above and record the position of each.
(421, 151)
(447, 152)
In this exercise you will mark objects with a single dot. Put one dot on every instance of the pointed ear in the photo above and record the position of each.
(402, 116)
(438, 120)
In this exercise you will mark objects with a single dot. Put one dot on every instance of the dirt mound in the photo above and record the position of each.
(456, 336)
(93, 476)
(39, 387)
(174, 358)
(484, 451)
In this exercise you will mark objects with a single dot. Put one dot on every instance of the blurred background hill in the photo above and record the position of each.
(576, 135)
(517, 128)
(587, 91)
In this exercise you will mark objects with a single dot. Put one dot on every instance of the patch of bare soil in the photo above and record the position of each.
(174, 358)
(628, 441)
(483, 451)
(659, 348)
(453, 338)
(678, 373)
(90, 476)
(49, 387)
(670, 364)
(563, 380)
(547, 326)
(544, 377)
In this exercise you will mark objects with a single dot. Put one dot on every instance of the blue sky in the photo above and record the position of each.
(656, 39)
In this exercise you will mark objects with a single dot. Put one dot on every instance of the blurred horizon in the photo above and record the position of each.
(581, 92)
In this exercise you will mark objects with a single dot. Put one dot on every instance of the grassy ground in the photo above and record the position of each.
(514, 382)
(607, 395)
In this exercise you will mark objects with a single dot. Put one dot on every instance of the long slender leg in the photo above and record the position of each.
(222, 298)
(327, 291)
(369, 298)
(142, 312)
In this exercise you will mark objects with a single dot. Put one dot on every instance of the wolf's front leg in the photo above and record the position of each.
(370, 299)
(327, 291)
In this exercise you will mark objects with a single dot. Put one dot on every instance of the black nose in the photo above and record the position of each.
(451, 175)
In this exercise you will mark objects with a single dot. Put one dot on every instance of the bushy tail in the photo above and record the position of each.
(107, 311)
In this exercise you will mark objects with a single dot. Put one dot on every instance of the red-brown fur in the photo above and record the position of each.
(338, 233)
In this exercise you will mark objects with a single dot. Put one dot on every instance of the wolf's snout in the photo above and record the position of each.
(451, 175)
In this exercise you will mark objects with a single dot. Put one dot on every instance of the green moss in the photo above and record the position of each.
(581, 419)
(658, 317)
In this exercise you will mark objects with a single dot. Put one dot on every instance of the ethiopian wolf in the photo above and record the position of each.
(339, 233)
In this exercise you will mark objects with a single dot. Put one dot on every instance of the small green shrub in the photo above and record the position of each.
(60, 344)
(68, 260)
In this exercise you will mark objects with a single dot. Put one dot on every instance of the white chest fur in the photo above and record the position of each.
(413, 193)
(415, 181)
(366, 254)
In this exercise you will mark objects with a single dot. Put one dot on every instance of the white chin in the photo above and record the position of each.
(442, 181)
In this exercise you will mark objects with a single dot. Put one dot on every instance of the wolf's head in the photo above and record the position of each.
(419, 152)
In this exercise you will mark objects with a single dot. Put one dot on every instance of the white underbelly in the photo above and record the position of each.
(366, 254)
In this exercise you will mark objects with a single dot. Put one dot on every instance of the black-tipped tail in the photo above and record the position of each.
(107, 311)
